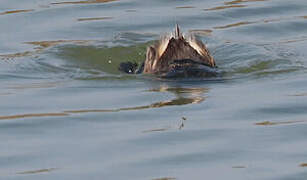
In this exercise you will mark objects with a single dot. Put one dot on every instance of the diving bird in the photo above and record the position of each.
(175, 56)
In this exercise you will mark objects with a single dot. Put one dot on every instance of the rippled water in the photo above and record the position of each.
(66, 112)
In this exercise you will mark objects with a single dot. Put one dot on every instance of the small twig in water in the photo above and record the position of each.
(182, 122)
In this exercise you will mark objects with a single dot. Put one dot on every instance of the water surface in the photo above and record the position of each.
(66, 112)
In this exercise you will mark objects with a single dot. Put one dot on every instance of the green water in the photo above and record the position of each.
(66, 112)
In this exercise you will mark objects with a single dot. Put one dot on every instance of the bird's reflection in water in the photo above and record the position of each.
(183, 96)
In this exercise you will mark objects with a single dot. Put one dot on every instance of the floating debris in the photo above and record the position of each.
(182, 123)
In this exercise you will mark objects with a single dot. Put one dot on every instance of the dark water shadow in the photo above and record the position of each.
(83, 2)
(270, 123)
(241, 1)
(298, 94)
(303, 165)
(185, 7)
(224, 7)
(233, 4)
(239, 167)
(165, 178)
(37, 171)
(260, 21)
(94, 18)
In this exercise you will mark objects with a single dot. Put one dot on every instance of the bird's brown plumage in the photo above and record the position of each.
(160, 56)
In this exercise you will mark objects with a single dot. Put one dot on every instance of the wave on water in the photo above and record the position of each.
(234, 59)
(100, 60)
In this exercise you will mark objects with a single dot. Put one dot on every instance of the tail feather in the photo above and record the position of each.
(177, 32)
